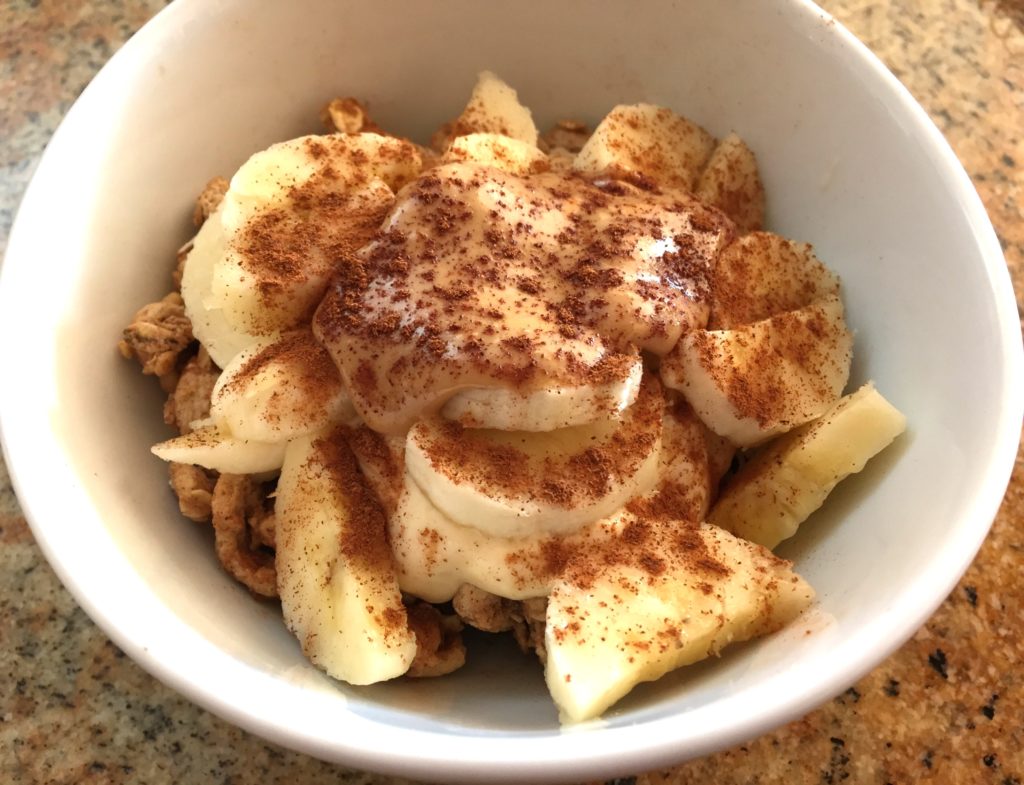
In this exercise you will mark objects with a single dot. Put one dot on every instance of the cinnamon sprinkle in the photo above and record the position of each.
(364, 533)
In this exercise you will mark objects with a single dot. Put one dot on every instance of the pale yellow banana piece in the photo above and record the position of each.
(519, 483)
(761, 275)
(753, 382)
(731, 182)
(646, 144)
(493, 108)
(545, 409)
(686, 594)
(790, 478)
(214, 447)
(692, 461)
(276, 390)
(260, 264)
(500, 152)
(335, 572)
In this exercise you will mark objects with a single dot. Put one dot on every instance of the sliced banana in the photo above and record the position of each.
(762, 274)
(493, 108)
(261, 262)
(754, 382)
(678, 593)
(214, 447)
(336, 164)
(783, 484)
(209, 326)
(516, 484)
(692, 461)
(500, 152)
(276, 390)
(382, 461)
(275, 273)
(647, 144)
(335, 573)
(545, 409)
(434, 555)
(731, 182)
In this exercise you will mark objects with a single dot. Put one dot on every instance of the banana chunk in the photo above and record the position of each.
(493, 108)
(434, 555)
(647, 144)
(789, 479)
(500, 152)
(680, 593)
(260, 264)
(548, 408)
(753, 382)
(214, 447)
(514, 483)
(693, 460)
(731, 182)
(210, 327)
(276, 390)
(761, 275)
(335, 573)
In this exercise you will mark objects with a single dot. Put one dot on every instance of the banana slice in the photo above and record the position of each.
(220, 339)
(753, 382)
(546, 409)
(382, 461)
(335, 573)
(679, 593)
(260, 264)
(789, 479)
(646, 144)
(493, 108)
(761, 275)
(275, 273)
(500, 152)
(434, 556)
(692, 461)
(276, 390)
(214, 447)
(515, 484)
(731, 182)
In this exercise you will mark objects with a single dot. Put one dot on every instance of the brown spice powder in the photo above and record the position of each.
(363, 537)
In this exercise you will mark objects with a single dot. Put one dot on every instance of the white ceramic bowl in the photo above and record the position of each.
(851, 164)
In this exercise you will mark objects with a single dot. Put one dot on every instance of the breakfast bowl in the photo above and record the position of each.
(850, 163)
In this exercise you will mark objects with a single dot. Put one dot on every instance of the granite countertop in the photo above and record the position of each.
(946, 708)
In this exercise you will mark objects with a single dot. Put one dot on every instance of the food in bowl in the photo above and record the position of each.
(499, 382)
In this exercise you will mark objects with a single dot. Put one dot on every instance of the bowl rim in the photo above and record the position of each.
(605, 752)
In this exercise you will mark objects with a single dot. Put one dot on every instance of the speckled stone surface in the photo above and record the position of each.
(947, 708)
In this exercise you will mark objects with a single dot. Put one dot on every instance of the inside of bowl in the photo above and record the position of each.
(848, 165)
